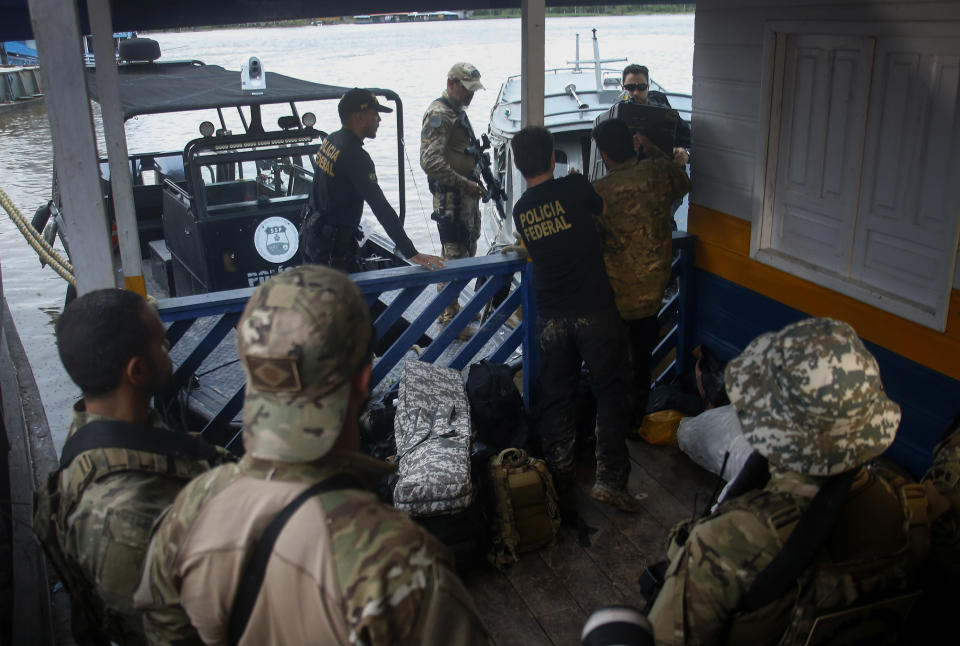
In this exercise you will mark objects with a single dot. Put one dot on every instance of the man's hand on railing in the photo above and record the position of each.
(428, 261)
(516, 247)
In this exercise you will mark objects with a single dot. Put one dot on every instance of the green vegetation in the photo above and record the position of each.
(592, 10)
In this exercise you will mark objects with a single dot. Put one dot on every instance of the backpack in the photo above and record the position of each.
(526, 513)
(496, 408)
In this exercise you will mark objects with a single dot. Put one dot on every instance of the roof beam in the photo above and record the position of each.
(532, 29)
(115, 136)
(55, 27)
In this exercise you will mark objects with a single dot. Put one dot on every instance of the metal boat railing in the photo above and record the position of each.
(216, 315)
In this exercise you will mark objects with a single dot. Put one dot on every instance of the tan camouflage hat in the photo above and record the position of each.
(809, 398)
(301, 338)
(467, 74)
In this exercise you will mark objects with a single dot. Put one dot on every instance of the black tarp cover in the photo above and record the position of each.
(152, 88)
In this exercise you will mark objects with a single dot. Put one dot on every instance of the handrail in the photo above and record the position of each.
(203, 323)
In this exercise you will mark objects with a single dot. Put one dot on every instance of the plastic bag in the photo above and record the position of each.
(709, 436)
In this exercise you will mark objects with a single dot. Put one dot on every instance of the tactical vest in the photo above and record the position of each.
(90, 620)
(874, 553)
(457, 142)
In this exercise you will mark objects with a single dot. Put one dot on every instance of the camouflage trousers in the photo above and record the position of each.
(600, 341)
(468, 220)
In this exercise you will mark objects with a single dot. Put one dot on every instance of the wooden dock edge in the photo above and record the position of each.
(40, 608)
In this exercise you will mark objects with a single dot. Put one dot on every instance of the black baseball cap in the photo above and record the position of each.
(358, 100)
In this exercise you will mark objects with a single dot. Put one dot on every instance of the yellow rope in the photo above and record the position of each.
(46, 252)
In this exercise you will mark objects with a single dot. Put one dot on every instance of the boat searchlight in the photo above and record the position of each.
(571, 91)
(206, 129)
(252, 77)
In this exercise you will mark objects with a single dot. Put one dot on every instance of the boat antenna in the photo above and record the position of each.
(596, 60)
(576, 62)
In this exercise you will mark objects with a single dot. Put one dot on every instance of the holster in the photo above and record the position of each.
(450, 227)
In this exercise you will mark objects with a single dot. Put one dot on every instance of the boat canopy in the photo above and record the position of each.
(154, 88)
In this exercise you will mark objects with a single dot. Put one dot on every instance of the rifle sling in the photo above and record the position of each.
(252, 578)
(113, 434)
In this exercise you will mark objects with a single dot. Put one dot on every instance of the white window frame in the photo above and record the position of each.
(762, 231)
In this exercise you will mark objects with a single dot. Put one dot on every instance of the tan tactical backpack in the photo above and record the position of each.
(526, 515)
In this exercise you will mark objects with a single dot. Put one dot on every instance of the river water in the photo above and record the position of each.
(411, 59)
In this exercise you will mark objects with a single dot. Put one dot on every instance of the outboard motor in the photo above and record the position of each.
(617, 626)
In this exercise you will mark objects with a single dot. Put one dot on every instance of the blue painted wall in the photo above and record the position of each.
(728, 316)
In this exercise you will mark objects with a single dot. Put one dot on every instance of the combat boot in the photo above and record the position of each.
(619, 498)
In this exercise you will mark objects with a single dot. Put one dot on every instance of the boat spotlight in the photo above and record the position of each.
(206, 129)
(252, 76)
(309, 119)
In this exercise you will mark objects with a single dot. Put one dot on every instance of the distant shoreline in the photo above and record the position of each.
(478, 14)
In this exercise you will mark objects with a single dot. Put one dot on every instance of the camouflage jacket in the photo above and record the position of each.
(944, 476)
(442, 145)
(635, 230)
(109, 501)
(876, 555)
(345, 570)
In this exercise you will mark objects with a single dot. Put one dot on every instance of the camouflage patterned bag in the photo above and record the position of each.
(433, 436)
(526, 515)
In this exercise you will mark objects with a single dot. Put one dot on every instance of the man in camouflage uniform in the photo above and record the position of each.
(103, 503)
(450, 169)
(810, 401)
(935, 610)
(346, 569)
(636, 240)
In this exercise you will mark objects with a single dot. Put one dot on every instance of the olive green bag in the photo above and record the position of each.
(526, 515)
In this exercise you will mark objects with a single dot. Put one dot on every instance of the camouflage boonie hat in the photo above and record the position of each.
(809, 398)
(467, 74)
(301, 338)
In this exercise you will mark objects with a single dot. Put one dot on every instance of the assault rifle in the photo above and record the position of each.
(495, 191)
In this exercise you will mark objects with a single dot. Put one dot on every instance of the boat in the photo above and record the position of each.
(574, 97)
(224, 210)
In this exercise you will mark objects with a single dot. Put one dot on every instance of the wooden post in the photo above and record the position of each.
(531, 363)
(532, 23)
(56, 30)
(116, 139)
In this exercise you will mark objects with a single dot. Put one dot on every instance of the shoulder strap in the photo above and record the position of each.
(462, 118)
(808, 537)
(252, 578)
(112, 434)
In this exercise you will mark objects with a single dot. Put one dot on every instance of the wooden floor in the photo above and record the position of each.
(547, 596)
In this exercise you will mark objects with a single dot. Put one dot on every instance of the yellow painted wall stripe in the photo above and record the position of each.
(723, 248)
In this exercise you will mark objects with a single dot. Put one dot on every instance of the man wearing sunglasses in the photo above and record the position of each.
(636, 85)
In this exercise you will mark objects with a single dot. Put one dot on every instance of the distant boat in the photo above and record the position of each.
(19, 53)
(573, 99)
(412, 16)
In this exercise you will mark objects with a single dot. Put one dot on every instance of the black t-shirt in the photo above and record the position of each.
(345, 179)
(555, 221)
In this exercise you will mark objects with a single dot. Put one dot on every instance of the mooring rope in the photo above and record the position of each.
(46, 252)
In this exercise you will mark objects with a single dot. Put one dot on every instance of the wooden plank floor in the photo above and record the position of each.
(547, 596)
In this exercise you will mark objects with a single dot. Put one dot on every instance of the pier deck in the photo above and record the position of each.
(548, 595)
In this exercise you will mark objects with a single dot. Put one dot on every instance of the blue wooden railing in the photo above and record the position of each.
(213, 316)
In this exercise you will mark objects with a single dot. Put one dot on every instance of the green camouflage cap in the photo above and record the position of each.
(809, 398)
(302, 337)
(467, 74)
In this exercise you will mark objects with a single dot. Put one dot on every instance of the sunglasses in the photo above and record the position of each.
(633, 87)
